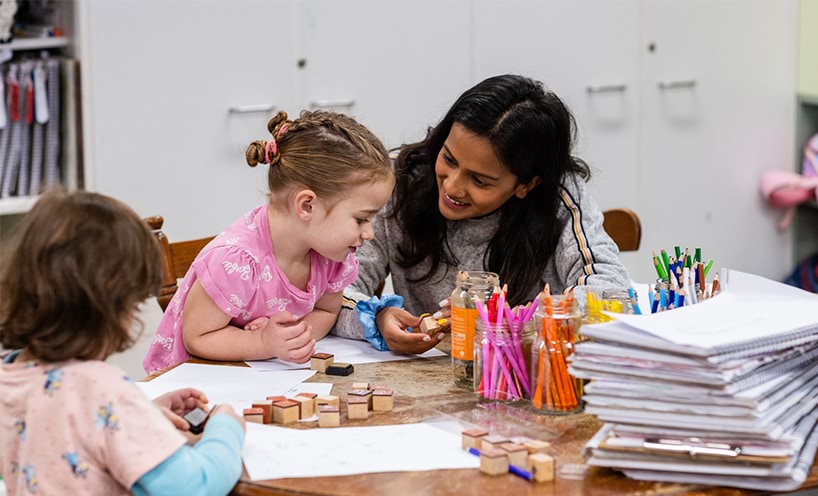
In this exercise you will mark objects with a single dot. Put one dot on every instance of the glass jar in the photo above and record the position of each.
(469, 285)
(505, 375)
(610, 300)
(555, 391)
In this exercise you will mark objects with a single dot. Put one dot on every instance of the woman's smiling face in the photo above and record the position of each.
(471, 180)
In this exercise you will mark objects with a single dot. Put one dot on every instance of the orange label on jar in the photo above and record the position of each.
(463, 322)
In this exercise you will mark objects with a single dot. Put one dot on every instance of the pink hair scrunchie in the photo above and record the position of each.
(270, 144)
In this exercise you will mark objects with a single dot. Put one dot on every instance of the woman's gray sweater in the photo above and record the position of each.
(585, 255)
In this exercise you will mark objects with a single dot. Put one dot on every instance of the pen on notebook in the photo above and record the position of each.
(514, 469)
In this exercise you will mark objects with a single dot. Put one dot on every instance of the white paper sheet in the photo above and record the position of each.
(276, 452)
(236, 386)
(345, 350)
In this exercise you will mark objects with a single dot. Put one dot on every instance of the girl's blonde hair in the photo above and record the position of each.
(73, 275)
(326, 152)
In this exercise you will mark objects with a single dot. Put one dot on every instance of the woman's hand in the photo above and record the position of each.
(393, 322)
(288, 338)
(178, 403)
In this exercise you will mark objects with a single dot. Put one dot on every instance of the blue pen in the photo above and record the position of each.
(514, 469)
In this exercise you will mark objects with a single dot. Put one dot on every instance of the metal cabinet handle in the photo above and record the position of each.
(249, 109)
(332, 103)
(605, 88)
(683, 83)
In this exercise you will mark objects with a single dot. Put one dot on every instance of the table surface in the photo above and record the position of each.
(424, 390)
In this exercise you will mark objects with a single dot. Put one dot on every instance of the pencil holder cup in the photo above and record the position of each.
(468, 286)
(502, 355)
(555, 391)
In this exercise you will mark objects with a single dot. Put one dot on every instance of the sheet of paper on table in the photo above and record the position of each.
(345, 350)
(276, 452)
(236, 386)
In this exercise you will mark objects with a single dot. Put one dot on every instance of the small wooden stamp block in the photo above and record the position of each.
(285, 412)
(361, 393)
(536, 446)
(492, 442)
(493, 462)
(472, 438)
(306, 406)
(542, 467)
(254, 415)
(429, 325)
(267, 406)
(276, 399)
(340, 369)
(517, 454)
(329, 416)
(382, 400)
(310, 396)
(320, 361)
(360, 385)
(357, 408)
(196, 420)
(327, 399)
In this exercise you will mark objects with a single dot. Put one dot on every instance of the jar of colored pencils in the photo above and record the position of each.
(502, 359)
(555, 390)
(469, 285)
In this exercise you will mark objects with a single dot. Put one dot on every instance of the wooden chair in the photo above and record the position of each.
(623, 226)
(176, 259)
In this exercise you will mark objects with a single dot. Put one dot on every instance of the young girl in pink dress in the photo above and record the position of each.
(271, 284)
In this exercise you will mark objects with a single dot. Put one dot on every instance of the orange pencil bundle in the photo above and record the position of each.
(555, 390)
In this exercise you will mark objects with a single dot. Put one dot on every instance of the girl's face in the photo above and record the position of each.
(343, 228)
(471, 180)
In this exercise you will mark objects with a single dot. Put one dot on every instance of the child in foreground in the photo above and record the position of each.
(70, 423)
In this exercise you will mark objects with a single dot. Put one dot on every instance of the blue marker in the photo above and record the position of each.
(514, 469)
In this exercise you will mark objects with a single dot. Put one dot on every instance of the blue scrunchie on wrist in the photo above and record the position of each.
(367, 310)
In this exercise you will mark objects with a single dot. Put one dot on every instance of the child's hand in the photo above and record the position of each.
(258, 323)
(289, 339)
(393, 321)
(179, 402)
(225, 409)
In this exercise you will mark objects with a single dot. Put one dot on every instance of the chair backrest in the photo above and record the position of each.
(176, 259)
(623, 226)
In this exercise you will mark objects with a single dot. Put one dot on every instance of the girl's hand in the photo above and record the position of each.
(393, 321)
(255, 324)
(225, 409)
(178, 403)
(289, 339)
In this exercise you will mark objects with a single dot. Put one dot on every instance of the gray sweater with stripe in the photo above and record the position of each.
(585, 255)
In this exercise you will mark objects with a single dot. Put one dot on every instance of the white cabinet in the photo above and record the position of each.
(704, 147)
(161, 78)
(395, 65)
(700, 103)
(164, 74)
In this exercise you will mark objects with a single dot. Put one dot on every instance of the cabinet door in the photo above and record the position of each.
(586, 52)
(160, 79)
(718, 110)
(395, 65)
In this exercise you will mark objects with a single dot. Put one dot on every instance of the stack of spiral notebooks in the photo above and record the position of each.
(723, 393)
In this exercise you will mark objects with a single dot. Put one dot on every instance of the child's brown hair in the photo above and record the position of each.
(73, 275)
(324, 151)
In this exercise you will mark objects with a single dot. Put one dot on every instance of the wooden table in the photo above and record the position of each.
(424, 389)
